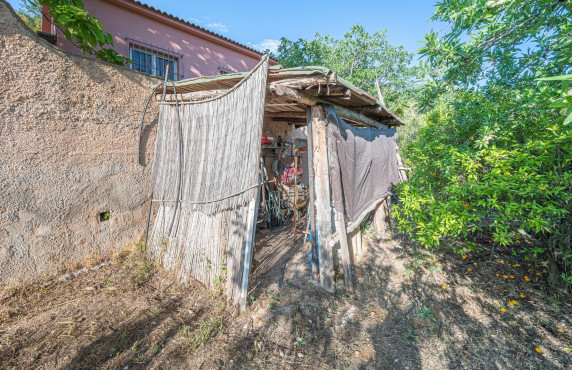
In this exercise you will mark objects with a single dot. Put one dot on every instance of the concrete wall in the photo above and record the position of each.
(202, 52)
(68, 151)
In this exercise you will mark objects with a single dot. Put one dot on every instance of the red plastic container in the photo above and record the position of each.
(267, 140)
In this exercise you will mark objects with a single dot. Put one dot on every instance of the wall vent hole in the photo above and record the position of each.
(104, 216)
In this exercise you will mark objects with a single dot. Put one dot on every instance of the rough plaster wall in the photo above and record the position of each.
(68, 151)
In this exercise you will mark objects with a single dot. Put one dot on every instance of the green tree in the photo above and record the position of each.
(360, 57)
(31, 14)
(494, 155)
(77, 26)
(500, 40)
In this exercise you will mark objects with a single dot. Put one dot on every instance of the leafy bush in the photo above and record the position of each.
(494, 153)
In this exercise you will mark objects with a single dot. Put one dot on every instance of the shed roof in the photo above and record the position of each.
(313, 82)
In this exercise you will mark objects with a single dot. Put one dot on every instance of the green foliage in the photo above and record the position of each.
(425, 313)
(361, 58)
(494, 154)
(31, 14)
(500, 40)
(78, 26)
(484, 162)
(208, 329)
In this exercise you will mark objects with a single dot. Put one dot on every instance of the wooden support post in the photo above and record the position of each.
(252, 215)
(346, 260)
(379, 218)
(323, 197)
(402, 172)
(295, 192)
(311, 205)
(312, 101)
(352, 236)
(359, 242)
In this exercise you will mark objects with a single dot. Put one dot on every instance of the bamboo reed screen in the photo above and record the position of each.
(215, 176)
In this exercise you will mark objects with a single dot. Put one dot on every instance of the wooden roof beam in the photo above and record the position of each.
(288, 114)
(312, 101)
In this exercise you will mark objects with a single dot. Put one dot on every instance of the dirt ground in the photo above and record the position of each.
(411, 310)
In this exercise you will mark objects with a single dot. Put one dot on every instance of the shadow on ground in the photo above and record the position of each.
(410, 310)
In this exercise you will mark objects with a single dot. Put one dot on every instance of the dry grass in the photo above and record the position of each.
(407, 312)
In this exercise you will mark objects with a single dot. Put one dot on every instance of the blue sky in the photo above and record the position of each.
(262, 23)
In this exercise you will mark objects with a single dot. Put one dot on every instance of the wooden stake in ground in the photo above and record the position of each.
(379, 218)
(312, 205)
(252, 211)
(323, 197)
(295, 191)
(346, 261)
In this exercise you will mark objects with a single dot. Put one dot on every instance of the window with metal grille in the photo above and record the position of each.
(152, 59)
(224, 70)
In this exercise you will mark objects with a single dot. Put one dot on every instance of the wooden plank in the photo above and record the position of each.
(311, 207)
(346, 261)
(379, 218)
(199, 95)
(286, 114)
(323, 198)
(354, 225)
(312, 101)
(402, 172)
(351, 235)
(248, 252)
(359, 242)
(295, 193)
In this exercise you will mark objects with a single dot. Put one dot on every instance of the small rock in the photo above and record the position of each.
(300, 355)
(528, 327)
(281, 353)
(126, 367)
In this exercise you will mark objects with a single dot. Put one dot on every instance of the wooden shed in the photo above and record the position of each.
(307, 111)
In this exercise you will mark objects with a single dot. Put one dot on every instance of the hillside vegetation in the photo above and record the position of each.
(488, 114)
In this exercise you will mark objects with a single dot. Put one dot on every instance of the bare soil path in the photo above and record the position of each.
(411, 310)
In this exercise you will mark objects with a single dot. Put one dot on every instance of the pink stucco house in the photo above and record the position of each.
(152, 39)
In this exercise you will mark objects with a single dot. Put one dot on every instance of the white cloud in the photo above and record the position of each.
(269, 44)
(194, 20)
(218, 27)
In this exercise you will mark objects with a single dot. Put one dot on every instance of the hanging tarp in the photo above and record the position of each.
(205, 174)
(362, 164)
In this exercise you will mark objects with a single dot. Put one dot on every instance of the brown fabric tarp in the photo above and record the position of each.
(362, 164)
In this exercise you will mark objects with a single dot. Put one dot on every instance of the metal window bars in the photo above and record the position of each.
(152, 59)
(222, 70)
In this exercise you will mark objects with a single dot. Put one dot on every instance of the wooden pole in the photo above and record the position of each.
(379, 96)
(402, 172)
(355, 224)
(295, 191)
(311, 205)
(379, 218)
(312, 101)
(352, 238)
(323, 198)
(346, 260)
(359, 242)
(248, 251)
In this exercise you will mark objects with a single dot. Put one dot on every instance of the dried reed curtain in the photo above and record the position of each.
(220, 154)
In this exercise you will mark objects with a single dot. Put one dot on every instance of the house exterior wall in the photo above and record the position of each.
(202, 52)
(69, 128)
